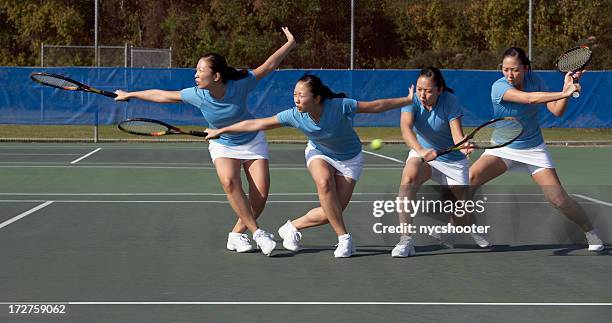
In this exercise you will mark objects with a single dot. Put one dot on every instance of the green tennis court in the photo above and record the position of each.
(136, 233)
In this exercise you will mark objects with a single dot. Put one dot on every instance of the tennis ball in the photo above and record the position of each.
(376, 144)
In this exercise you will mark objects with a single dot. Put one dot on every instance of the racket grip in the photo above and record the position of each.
(576, 94)
(108, 94)
(198, 133)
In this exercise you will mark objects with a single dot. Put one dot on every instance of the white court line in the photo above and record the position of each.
(48, 165)
(593, 200)
(223, 194)
(24, 214)
(85, 156)
(215, 201)
(383, 156)
(164, 201)
(319, 303)
(21, 154)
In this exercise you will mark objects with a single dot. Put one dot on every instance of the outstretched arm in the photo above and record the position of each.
(556, 102)
(159, 96)
(245, 126)
(383, 105)
(274, 61)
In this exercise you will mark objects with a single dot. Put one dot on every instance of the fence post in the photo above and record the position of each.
(352, 34)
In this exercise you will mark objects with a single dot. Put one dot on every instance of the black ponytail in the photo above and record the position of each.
(435, 74)
(318, 88)
(218, 64)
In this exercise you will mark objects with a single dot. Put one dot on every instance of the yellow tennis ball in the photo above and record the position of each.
(376, 144)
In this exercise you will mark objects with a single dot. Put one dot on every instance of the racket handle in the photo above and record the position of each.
(576, 94)
(108, 94)
(198, 133)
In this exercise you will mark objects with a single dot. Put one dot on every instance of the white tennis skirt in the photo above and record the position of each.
(350, 168)
(446, 173)
(254, 149)
(530, 160)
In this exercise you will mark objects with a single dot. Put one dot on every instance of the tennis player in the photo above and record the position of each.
(522, 94)
(333, 153)
(221, 94)
(430, 123)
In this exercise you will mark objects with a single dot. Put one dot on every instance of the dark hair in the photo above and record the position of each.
(318, 88)
(218, 64)
(519, 54)
(435, 74)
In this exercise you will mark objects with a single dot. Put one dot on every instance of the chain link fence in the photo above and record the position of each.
(108, 56)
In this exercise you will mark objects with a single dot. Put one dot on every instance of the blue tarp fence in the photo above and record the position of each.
(25, 102)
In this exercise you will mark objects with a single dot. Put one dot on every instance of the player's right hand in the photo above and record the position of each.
(212, 133)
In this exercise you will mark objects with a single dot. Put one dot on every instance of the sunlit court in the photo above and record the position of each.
(303, 161)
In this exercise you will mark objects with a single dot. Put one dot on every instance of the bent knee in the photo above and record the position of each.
(324, 184)
(230, 184)
(411, 181)
(475, 179)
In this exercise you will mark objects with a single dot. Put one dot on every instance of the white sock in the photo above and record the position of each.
(593, 237)
(344, 237)
(405, 238)
(290, 225)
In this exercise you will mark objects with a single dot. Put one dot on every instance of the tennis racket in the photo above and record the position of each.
(494, 133)
(150, 127)
(66, 83)
(574, 60)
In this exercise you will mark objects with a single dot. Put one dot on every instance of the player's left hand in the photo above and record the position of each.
(429, 155)
(467, 148)
(289, 35)
(410, 93)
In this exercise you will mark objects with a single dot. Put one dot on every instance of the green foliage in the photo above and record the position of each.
(467, 34)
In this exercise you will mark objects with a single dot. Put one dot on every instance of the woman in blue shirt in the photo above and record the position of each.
(430, 123)
(333, 154)
(521, 93)
(221, 94)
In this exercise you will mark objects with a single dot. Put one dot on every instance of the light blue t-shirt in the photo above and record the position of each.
(526, 113)
(230, 109)
(333, 135)
(432, 128)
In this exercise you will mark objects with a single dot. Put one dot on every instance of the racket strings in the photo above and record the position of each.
(144, 127)
(54, 81)
(574, 60)
(497, 134)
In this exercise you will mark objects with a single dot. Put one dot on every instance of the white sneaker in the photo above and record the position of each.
(291, 236)
(238, 242)
(345, 247)
(480, 239)
(264, 241)
(595, 243)
(404, 248)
